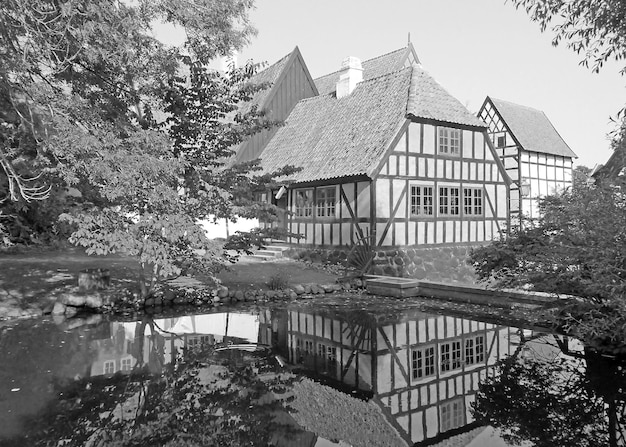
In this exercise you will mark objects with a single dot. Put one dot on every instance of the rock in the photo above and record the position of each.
(58, 309)
(249, 295)
(293, 295)
(216, 300)
(70, 311)
(149, 302)
(94, 301)
(337, 288)
(328, 288)
(307, 288)
(223, 292)
(158, 301)
(270, 294)
(72, 299)
(298, 289)
(239, 295)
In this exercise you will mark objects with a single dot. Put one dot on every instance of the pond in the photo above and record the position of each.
(310, 373)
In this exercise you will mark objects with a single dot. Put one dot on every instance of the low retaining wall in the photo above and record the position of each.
(433, 263)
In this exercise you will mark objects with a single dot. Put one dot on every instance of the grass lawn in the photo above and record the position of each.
(32, 276)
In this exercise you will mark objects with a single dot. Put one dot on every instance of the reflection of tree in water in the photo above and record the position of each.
(204, 398)
(576, 399)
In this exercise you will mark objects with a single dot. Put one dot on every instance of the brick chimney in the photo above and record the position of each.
(351, 74)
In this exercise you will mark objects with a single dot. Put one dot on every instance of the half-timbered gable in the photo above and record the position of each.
(535, 156)
(423, 369)
(289, 81)
(397, 160)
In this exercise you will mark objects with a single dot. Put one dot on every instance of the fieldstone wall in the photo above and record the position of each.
(433, 264)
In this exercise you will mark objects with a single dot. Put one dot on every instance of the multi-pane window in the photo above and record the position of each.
(448, 201)
(304, 202)
(452, 415)
(126, 364)
(450, 356)
(308, 346)
(109, 367)
(421, 200)
(480, 349)
(474, 350)
(449, 141)
(423, 362)
(473, 201)
(325, 201)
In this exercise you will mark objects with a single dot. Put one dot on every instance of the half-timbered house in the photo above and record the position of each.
(392, 158)
(423, 370)
(535, 156)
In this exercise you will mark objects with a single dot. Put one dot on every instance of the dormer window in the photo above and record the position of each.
(500, 140)
(449, 141)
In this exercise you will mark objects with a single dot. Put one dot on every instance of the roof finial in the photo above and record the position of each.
(409, 39)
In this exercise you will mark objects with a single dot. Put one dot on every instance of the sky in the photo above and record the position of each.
(472, 48)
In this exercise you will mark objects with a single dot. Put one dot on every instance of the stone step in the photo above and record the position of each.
(261, 257)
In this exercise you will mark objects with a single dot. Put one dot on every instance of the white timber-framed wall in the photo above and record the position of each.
(450, 161)
(424, 369)
(534, 174)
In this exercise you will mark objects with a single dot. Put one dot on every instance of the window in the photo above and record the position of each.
(500, 140)
(452, 415)
(126, 364)
(448, 201)
(325, 201)
(308, 347)
(473, 201)
(109, 367)
(423, 362)
(421, 200)
(304, 202)
(475, 350)
(449, 141)
(450, 356)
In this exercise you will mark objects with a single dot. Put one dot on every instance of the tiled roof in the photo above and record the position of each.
(429, 100)
(333, 137)
(372, 68)
(532, 129)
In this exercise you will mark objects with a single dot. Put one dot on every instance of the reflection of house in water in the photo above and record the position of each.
(423, 369)
(154, 343)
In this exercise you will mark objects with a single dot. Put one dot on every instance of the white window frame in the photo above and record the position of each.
(107, 364)
(473, 203)
(422, 200)
(423, 362)
(304, 202)
(449, 141)
(452, 414)
(450, 356)
(326, 201)
(449, 201)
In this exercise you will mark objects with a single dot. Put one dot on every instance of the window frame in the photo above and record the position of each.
(448, 202)
(473, 201)
(449, 141)
(422, 204)
(423, 362)
(307, 207)
(325, 204)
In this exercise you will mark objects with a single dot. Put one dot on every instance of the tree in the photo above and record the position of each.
(595, 28)
(575, 248)
(570, 400)
(144, 131)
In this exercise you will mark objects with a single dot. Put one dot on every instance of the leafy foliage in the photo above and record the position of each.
(596, 29)
(545, 402)
(577, 247)
(141, 131)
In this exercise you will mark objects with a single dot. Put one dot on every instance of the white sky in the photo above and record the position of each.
(473, 48)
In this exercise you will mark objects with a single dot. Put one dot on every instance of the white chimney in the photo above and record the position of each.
(351, 74)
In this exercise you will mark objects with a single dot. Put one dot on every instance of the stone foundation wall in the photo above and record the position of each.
(433, 264)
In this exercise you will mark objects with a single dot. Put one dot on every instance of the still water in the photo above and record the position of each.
(303, 374)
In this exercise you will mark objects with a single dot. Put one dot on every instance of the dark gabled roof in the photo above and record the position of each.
(372, 68)
(429, 100)
(271, 76)
(342, 137)
(531, 128)
(331, 138)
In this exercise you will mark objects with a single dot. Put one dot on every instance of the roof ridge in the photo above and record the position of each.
(362, 62)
